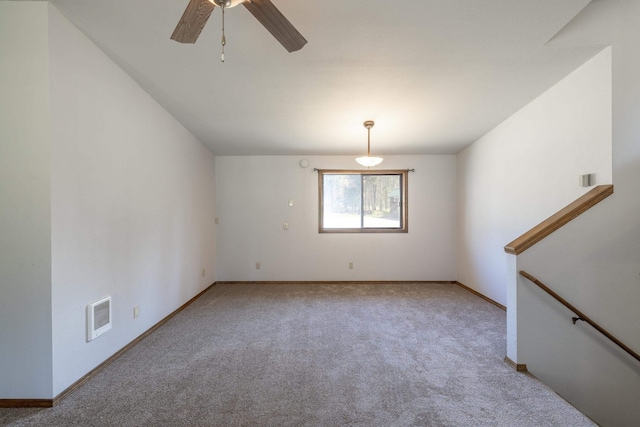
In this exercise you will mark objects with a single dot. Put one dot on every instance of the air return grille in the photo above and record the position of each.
(98, 318)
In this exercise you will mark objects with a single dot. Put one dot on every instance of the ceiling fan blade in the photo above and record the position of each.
(193, 20)
(275, 22)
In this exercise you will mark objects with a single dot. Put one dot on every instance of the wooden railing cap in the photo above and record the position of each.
(560, 218)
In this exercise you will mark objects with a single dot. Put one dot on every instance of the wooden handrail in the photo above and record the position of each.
(580, 315)
(560, 218)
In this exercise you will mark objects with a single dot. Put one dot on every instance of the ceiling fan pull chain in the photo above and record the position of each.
(224, 39)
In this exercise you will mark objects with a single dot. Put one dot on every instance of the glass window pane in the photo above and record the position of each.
(341, 199)
(381, 201)
(363, 201)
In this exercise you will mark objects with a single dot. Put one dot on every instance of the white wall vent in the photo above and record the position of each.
(98, 318)
(588, 180)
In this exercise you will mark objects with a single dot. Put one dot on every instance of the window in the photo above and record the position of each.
(363, 201)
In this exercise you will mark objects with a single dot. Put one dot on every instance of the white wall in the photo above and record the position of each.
(527, 168)
(252, 202)
(132, 204)
(594, 261)
(25, 225)
(581, 263)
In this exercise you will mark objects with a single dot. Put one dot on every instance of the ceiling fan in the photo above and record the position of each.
(197, 13)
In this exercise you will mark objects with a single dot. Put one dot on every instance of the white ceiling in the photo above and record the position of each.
(435, 75)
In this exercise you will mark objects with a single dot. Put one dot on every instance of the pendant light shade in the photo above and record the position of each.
(369, 161)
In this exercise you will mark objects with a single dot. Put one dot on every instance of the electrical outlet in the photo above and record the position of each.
(257, 265)
(350, 266)
(136, 311)
(216, 220)
(203, 272)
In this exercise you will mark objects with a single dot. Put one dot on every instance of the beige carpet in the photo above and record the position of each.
(317, 355)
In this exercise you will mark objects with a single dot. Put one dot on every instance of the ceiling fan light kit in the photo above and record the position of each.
(369, 161)
(198, 12)
(226, 3)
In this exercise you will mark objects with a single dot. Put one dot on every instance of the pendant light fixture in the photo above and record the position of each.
(369, 161)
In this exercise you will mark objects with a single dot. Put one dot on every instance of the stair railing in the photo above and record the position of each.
(579, 314)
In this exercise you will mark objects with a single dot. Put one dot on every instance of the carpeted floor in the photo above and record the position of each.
(317, 355)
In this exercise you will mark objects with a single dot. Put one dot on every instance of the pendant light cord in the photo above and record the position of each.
(224, 39)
